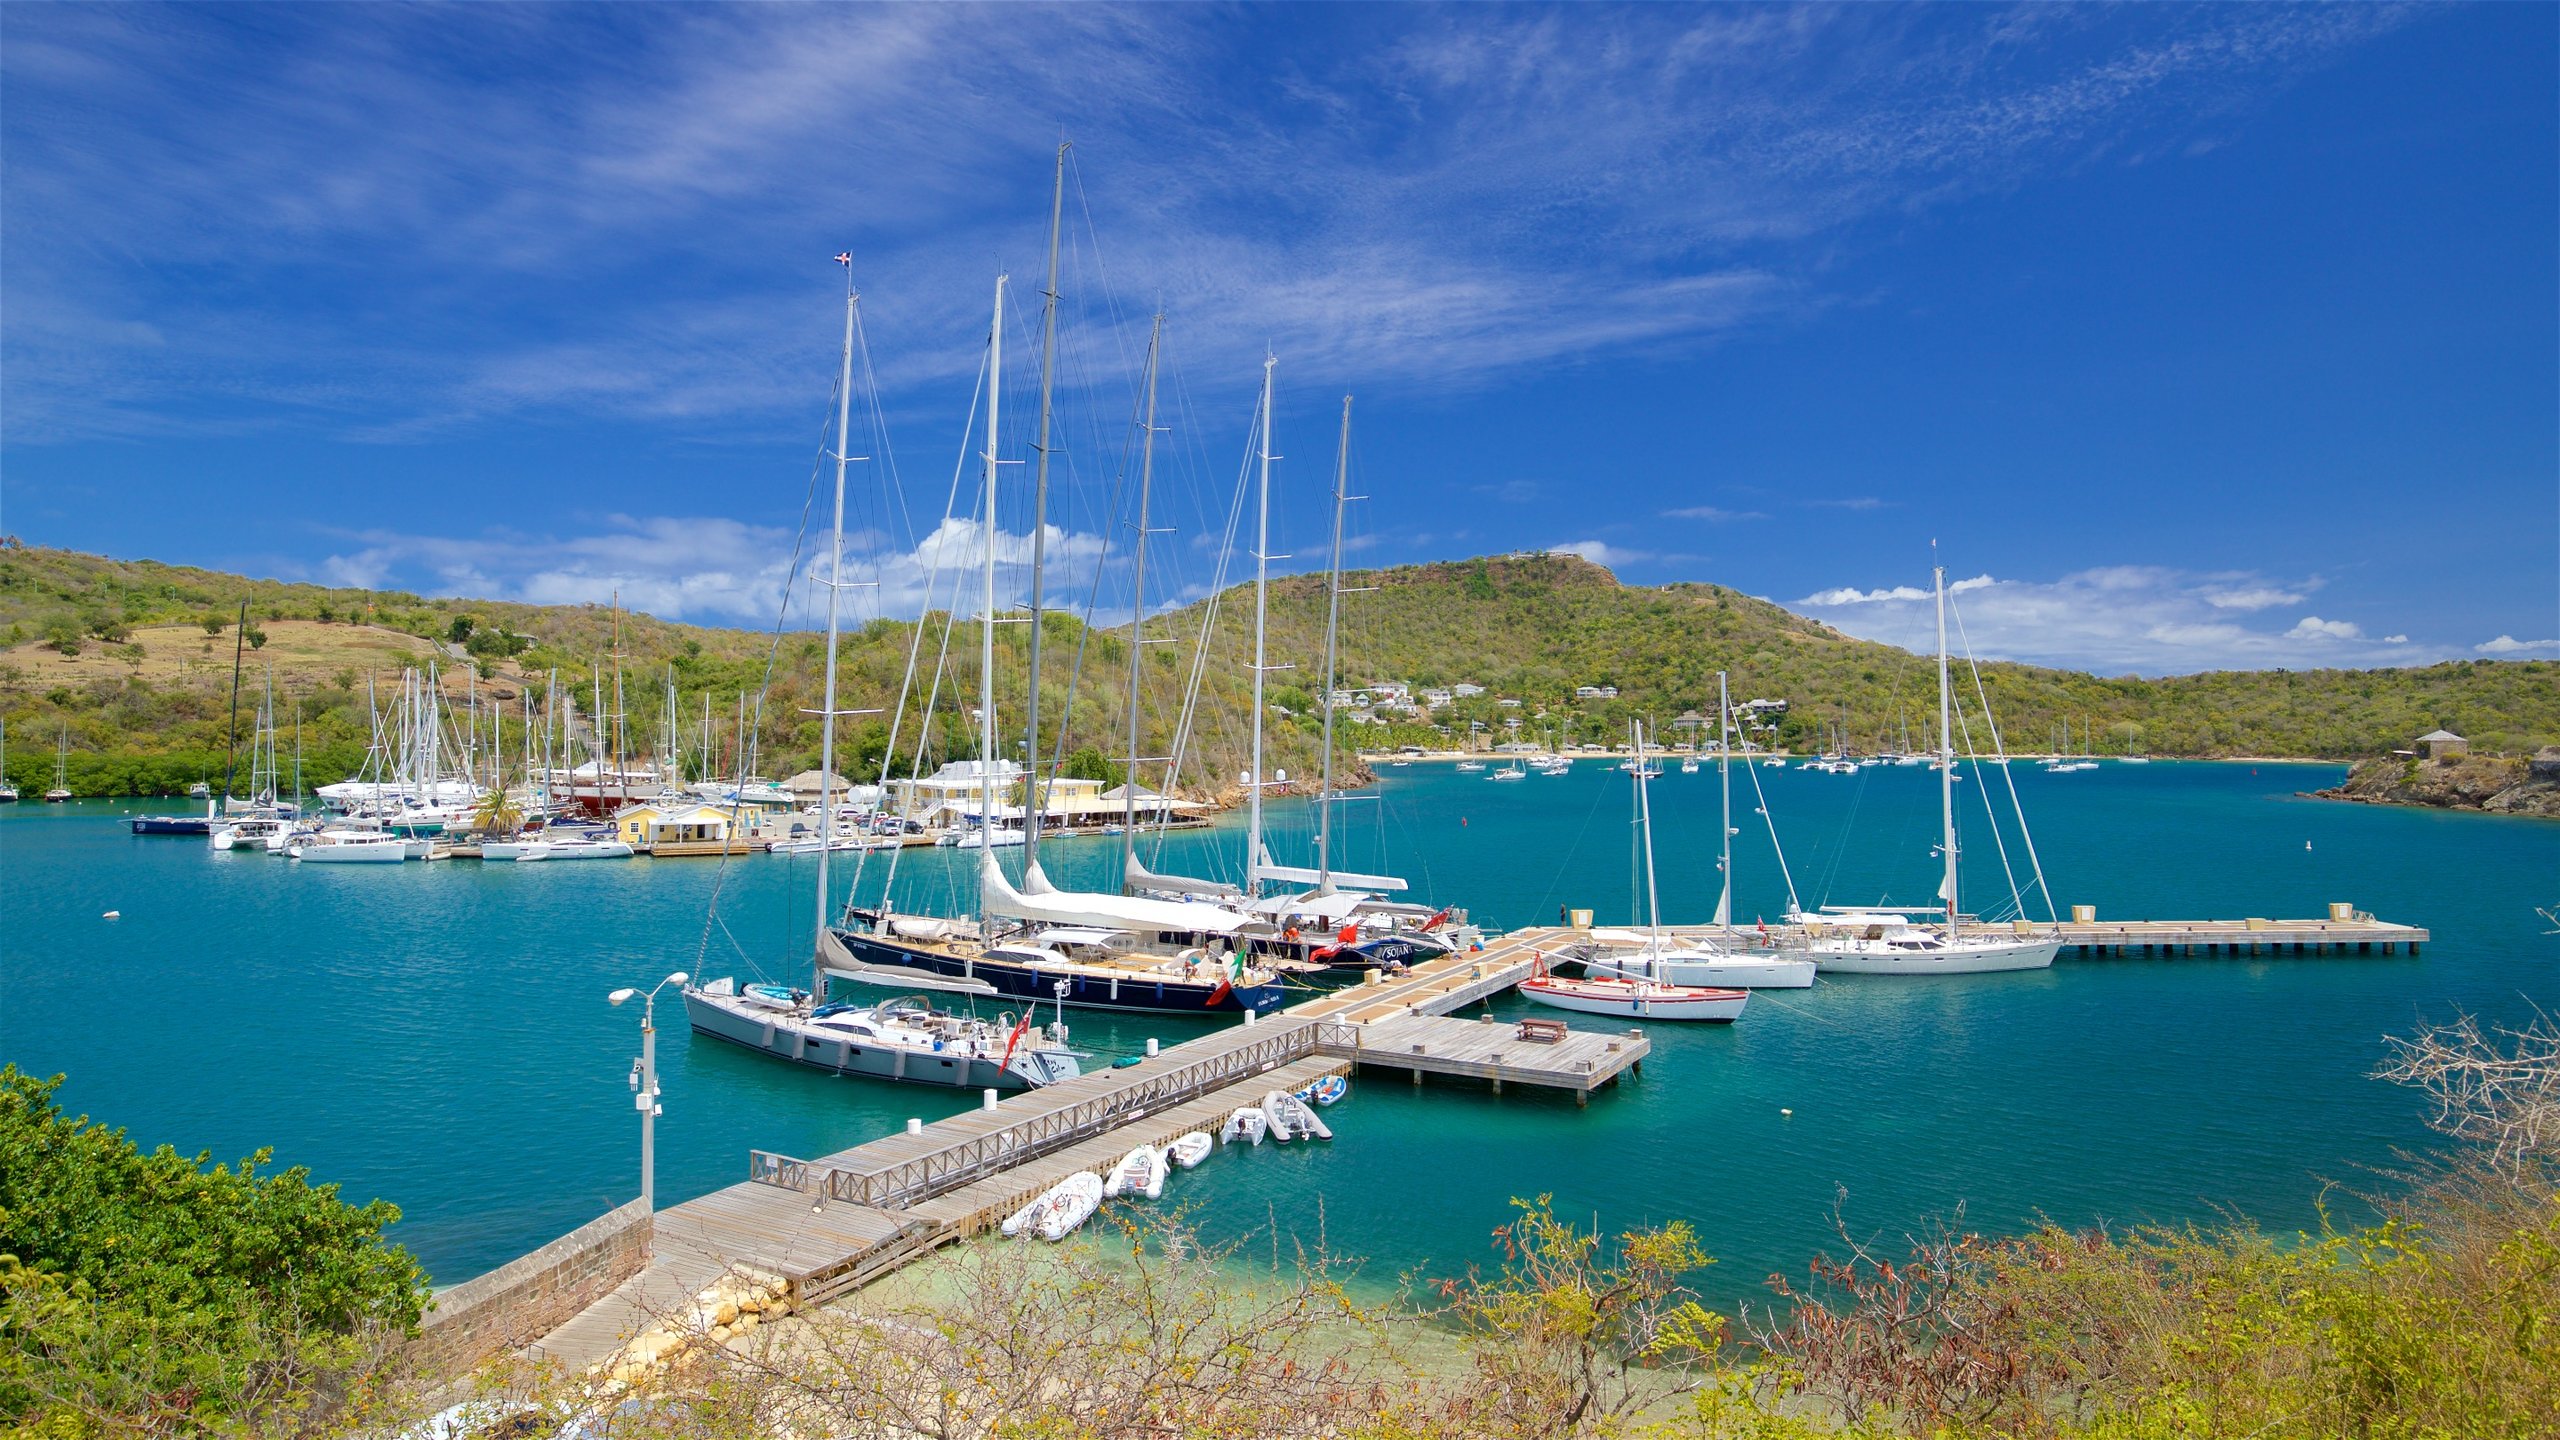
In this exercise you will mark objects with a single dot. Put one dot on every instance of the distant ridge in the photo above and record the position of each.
(146, 709)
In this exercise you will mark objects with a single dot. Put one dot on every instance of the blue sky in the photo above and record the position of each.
(2211, 336)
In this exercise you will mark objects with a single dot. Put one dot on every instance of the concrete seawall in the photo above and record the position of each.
(527, 1298)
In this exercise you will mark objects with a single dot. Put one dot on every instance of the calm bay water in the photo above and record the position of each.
(438, 1034)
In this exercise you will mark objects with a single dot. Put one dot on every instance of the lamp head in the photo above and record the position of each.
(678, 978)
(618, 996)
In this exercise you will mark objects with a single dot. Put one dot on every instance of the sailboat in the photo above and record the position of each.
(1885, 942)
(1033, 942)
(61, 790)
(1656, 956)
(1638, 996)
(8, 792)
(902, 1039)
(1342, 922)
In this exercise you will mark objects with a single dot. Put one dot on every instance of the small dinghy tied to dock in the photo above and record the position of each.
(1247, 1125)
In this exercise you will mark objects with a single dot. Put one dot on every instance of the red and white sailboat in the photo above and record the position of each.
(1637, 998)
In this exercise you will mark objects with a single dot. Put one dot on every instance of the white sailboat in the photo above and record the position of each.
(1884, 942)
(8, 792)
(903, 1039)
(1656, 956)
(61, 790)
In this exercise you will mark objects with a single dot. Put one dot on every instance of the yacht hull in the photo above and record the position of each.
(1035, 984)
(768, 1031)
(1968, 960)
(1726, 972)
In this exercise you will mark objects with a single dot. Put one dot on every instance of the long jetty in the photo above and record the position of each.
(827, 1225)
(831, 1224)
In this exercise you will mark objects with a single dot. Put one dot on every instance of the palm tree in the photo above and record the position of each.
(498, 814)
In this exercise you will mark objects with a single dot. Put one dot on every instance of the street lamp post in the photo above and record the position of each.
(644, 1082)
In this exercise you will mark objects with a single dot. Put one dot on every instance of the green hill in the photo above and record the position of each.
(124, 656)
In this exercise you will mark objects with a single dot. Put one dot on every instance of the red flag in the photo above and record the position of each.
(1433, 921)
(1349, 937)
(1014, 1039)
(1226, 987)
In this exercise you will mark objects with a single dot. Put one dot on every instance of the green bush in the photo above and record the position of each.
(166, 1294)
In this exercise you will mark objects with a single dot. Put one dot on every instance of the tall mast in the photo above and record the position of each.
(1724, 779)
(1644, 825)
(835, 583)
(1946, 756)
(1332, 630)
(987, 621)
(1035, 798)
(1261, 610)
(1138, 603)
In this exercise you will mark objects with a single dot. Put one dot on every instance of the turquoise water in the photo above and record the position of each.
(438, 1034)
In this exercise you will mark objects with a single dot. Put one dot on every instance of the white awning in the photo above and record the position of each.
(1331, 907)
(1297, 876)
(1080, 909)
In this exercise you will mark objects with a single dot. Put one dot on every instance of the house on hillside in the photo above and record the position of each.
(2442, 745)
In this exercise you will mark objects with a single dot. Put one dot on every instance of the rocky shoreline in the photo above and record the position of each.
(2491, 784)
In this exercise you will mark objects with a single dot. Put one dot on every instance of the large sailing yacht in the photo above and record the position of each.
(903, 1039)
(1888, 942)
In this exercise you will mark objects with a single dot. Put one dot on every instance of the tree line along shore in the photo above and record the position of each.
(130, 663)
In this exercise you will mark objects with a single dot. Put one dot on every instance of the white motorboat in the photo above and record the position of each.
(1637, 999)
(1470, 767)
(1140, 1172)
(1247, 1126)
(1297, 1115)
(996, 837)
(575, 850)
(349, 847)
(1069, 1203)
(1189, 1150)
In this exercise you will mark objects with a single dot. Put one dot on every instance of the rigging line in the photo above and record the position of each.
(764, 686)
(1209, 612)
(1101, 273)
(2053, 914)
(2017, 902)
(915, 647)
(1794, 907)
(1598, 794)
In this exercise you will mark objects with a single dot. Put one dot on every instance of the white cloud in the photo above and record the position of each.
(2510, 645)
(1601, 552)
(709, 569)
(2263, 597)
(1713, 513)
(2149, 619)
(1454, 196)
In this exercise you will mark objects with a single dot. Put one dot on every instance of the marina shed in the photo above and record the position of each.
(2442, 745)
(677, 827)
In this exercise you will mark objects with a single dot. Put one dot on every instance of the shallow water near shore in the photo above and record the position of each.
(438, 1034)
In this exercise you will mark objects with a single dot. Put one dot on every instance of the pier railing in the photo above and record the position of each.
(1069, 1117)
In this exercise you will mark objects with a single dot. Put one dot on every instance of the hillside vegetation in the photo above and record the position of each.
(133, 659)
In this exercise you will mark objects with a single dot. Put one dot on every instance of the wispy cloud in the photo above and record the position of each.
(392, 223)
(1854, 502)
(703, 569)
(2113, 619)
(1716, 514)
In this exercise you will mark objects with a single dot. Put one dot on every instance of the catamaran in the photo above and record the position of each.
(1887, 942)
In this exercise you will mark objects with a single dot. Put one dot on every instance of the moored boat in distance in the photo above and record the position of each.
(1637, 999)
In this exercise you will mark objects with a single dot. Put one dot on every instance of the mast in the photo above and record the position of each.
(1644, 825)
(1138, 604)
(1035, 800)
(231, 764)
(1332, 631)
(987, 621)
(1724, 779)
(1946, 756)
(1261, 611)
(835, 583)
